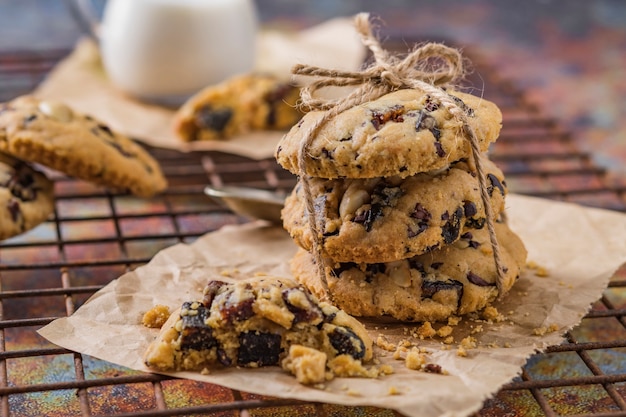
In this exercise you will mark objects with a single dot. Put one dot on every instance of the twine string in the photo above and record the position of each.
(428, 67)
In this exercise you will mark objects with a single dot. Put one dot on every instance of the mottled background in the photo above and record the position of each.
(568, 55)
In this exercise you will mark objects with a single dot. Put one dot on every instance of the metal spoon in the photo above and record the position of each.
(249, 202)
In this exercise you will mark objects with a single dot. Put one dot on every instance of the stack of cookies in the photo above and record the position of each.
(401, 222)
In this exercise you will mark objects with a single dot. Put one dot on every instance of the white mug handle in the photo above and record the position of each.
(86, 16)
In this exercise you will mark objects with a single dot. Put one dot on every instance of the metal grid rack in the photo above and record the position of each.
(95, 236)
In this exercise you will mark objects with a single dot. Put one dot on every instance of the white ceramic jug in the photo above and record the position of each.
(165, 50)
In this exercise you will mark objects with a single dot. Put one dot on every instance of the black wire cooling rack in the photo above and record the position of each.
(95, 236)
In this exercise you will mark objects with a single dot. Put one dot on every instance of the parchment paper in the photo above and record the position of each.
(81, 82)
(580, 247)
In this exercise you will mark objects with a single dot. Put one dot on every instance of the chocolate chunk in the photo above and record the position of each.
(436, 265)
(430, 288)
(106, 129)
(495, 183)
(195, 334)
(369, 216)
(468, 110)
(430, 104)
(469, 208)
(478, 223)
(214, 119)
(327, 154)
(263, 349)
(343, 266)
(477, 280)
(450, 230)
(418, 266)
(29, 118)
(345, 341)
(426, 121)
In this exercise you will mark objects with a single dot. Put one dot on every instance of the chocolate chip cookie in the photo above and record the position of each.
(385, 219)
(253, 323)
(54, 135)
(238, 105)
(402, 133)
(26, 197)
(456, 279)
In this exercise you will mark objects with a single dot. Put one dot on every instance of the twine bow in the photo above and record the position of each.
(428, 68)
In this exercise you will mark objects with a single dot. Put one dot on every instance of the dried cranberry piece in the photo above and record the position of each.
(261, 348)
(241, 310)
(433, 368)
(14, 209)
(477, 280)
(345, 341)
(369, 216)
(430, 288)
(394, 114)
(223, 357)
(214, 119)
(309, 314)
(422, 216)
(439, 148)
(195, 334)
(450, 230)
(211, 291)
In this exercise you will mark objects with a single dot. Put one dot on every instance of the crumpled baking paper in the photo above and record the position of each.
(579, 247)
(81, 82)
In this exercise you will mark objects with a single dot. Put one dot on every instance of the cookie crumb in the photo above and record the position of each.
(490, 313)
(539, 270)
(414, 359)
(393, 390)
(156, 317)
(426, 331)
(444, 331)
(383, 343)
(543, 330)
(468, 343)
(461, 351)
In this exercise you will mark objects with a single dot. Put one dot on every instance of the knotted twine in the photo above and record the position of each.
(386, 74)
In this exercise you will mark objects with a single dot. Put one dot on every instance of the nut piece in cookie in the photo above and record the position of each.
(399, 134)
(52, 134)
(238, 105)
(254, 323)
(385, 219)
(456, 279)
(26, 196)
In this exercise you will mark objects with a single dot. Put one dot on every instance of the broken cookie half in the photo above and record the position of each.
(264, 321)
